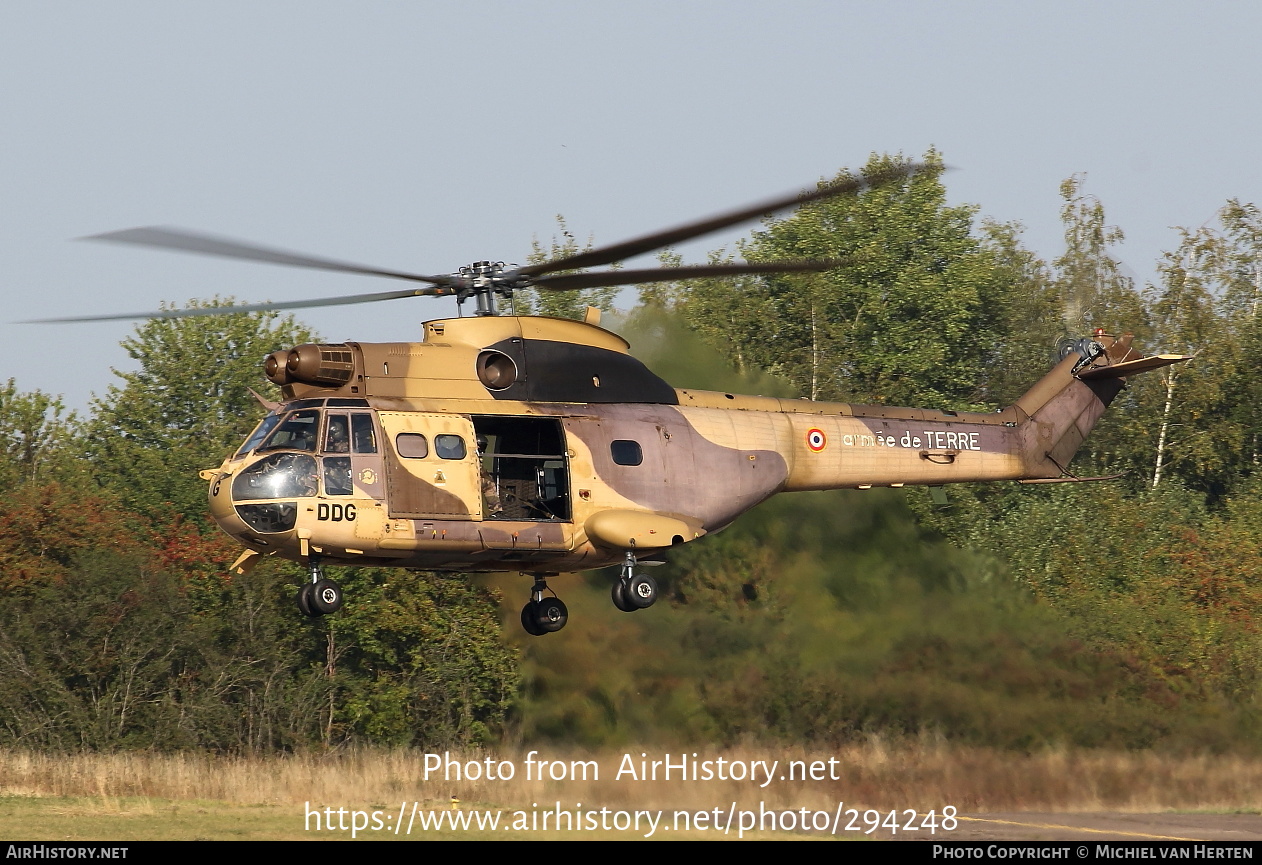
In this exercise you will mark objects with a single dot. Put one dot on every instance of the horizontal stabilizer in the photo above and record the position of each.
(1132, 367)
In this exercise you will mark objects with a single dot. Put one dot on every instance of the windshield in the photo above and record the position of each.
(298, 432)
(260, 433)
(276, 477)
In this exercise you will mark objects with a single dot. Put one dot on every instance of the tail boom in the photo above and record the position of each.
(1065, 405)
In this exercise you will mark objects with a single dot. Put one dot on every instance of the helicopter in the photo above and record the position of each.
(540, 445)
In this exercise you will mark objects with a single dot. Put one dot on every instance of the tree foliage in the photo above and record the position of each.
(121, 626)
(862, 331)
(562, 304)
(35, 434)
(186, 405)
(1116, 614)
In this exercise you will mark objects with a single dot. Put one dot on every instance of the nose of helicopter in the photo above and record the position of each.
(262, 496)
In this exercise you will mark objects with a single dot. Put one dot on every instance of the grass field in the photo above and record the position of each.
(137, 796)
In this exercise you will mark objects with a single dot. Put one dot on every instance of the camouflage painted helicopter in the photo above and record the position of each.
(539, 445)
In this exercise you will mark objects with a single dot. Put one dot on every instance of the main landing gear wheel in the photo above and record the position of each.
(641, 591)
(543, 615)
(632, 591)
(619, 595)
(530, 622)
(551, 614)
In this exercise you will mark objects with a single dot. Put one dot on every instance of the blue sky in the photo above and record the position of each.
(423, 136)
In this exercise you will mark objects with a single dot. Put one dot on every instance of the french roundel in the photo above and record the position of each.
(816, 440)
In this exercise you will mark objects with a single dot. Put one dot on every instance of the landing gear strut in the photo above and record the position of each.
(543, 615)
(632, 591)
(319, 596)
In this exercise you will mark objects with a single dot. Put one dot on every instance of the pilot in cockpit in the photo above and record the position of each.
(338, 439)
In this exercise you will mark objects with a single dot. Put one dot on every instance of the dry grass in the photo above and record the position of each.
(871, 775)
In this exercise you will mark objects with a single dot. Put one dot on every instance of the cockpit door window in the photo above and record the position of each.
(363, 437)
(337, 435)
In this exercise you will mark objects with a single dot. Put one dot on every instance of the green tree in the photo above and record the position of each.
(186, 406)
(730, 314)
(1093, 290)
(1094, 293)
(420, 660)
(1026, 316)
(1240, 277)
(119, 654)
(906, 321)
(1189, 422)
(35, 431)
(562, 304)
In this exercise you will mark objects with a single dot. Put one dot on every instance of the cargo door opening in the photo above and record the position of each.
(524, 471)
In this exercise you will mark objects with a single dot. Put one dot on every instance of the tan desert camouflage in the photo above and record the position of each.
(540, 445)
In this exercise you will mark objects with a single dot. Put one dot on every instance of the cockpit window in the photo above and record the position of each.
(277, 476)
(260, 433)
(298, 432)
(337, 438)
(337, 476)
(362, 434)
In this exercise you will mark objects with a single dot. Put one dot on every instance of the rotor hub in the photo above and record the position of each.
(483, 280)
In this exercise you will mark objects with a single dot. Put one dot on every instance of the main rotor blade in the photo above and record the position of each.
(571, 281)
(437, 291)
(657, 240)
(205, 244)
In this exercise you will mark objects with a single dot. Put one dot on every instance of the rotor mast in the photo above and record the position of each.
(483, 280)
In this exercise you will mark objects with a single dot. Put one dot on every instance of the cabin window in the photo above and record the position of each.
(626, 452)
(412, 445)
(449, 447)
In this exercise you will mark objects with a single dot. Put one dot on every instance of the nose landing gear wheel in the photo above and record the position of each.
(326, 597)
(319, 596)
(543, 615)
(304, 601)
